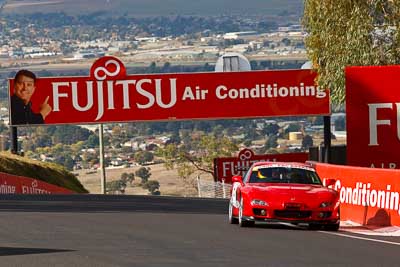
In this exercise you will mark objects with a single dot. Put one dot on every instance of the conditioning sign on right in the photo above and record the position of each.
(373, 116)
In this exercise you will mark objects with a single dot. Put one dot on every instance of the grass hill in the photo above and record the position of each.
(46, 172)
(159, 7)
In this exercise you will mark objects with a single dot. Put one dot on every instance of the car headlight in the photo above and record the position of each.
(258, 202)
(325, 204)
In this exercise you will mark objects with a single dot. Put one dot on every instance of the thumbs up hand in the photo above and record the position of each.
(45, 108)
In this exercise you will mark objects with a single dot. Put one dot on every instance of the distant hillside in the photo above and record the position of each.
(46, 172)
(159, 7)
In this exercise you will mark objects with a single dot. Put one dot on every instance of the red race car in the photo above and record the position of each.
(284, 192)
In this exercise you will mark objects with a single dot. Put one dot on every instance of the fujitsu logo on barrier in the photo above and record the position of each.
(33, 189)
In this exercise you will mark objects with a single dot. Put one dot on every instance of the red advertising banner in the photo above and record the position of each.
(367, 196)
(372, 115)
(12, 184)
(110, 95)
(225, 168)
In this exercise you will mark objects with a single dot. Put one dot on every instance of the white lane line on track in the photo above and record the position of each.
(362, 238)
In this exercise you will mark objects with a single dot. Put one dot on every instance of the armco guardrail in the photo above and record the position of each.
(368, 196)
(12, 184)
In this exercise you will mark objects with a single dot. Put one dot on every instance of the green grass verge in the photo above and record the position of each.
(47, 172)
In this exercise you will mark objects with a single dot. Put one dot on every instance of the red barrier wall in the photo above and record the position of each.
(12, 184)
(368, 196)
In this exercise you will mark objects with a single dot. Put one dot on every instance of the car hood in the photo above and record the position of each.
(293, 192)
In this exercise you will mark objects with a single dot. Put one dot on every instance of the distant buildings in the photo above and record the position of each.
(205, 46)
(240, 35)
(84, 54)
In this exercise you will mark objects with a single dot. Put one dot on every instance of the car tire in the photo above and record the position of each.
(332, 227)
(243, 223)
(231, 219)
(314, 226)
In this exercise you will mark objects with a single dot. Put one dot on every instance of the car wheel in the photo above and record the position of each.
(332, 227)
(232, 220)
(314, 226)
(243, 223)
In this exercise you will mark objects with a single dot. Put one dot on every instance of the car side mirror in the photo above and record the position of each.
(329, 182)
(237, 179)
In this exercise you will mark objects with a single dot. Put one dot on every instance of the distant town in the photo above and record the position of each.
(45, 40)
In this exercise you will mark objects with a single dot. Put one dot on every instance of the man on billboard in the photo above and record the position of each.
(21, 105)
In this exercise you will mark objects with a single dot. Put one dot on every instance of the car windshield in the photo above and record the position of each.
(284, 175)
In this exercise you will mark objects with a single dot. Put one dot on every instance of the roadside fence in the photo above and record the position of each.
(213, 189)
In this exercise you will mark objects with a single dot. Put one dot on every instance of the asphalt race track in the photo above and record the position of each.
(97, 230)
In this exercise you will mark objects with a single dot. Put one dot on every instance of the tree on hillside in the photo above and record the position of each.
(198, 156)
(117, 186)
(142, 157)
(124, 176)
(307, 142)
(131, 177)
(247, 142)
(251, 133)
(340, 124)
(271, 129)
(92, 141)
(127, 177)
(293, 128)
(153, 186)
(270, 142)
(68, 134)
(350, 33)
(64, 159)
(175, 138)
(144, 174)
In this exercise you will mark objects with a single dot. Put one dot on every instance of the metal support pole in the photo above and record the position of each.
(198, 185)
(14, 140)
(223, 189)
(102, 167)
(327, 138)
(320, 154)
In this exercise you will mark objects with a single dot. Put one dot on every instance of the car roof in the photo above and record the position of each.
(270, 164)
